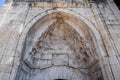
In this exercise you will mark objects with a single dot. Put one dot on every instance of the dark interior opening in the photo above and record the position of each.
(117, 3)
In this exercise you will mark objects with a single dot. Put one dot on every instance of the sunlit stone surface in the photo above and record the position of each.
(59, 40)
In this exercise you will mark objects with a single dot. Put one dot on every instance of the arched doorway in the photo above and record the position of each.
(59, 48)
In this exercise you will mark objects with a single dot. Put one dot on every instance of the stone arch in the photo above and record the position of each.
(68, 13)
(40, 27)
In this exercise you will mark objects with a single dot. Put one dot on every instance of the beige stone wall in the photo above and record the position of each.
(103, 21)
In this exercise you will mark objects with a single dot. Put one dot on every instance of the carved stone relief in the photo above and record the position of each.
(59, 53)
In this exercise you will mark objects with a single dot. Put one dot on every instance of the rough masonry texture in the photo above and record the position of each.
(59, 40)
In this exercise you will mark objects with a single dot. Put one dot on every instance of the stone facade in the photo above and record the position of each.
(60, 40)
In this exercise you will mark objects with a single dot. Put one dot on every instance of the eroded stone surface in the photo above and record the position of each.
(59, 41)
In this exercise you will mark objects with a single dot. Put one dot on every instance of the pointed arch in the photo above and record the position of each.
(39, 25)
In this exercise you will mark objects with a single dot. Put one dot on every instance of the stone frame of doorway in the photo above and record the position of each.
(98, 36)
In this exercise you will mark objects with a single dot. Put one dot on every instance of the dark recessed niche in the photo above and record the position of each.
(117, 3)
